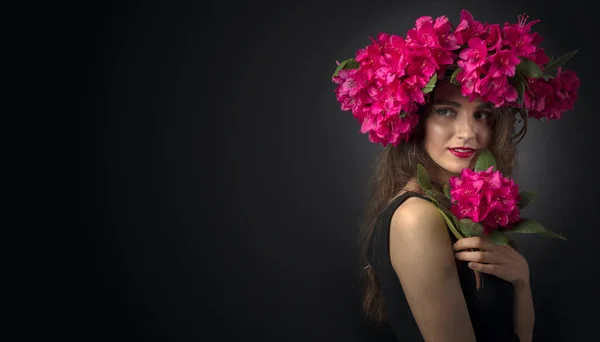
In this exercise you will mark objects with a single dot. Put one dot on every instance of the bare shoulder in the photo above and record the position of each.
(422, 257)
(418, 216)
(419, 232)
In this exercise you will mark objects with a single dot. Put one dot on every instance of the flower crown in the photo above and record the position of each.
(385, 84)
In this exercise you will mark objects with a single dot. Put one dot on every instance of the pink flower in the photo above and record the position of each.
(496, 90)
(423, 34)
(517, 36)
(469, 83)
(468, 28)
(421, 63)
(485, 197)
(380, 94)
(503, 62)
(551, 98)
(446, 38)
(537, 95)
(350, 81)
(429, 45)
(494, 38)
(474, 56)
(566, 84)
(411, 90)
(539, 56)
(389, 130)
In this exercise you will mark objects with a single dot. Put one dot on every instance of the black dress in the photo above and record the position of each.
(490, 308)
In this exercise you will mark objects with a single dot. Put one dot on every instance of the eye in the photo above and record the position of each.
(482, 115)
(444, 111)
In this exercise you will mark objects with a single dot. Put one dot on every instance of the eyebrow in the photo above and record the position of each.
(457, 105)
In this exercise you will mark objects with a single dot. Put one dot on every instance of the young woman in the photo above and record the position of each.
(437, 97)
(420, 279)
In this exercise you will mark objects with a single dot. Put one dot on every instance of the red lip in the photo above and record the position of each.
(464, 152)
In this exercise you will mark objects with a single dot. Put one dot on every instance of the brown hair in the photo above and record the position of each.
(396, 165)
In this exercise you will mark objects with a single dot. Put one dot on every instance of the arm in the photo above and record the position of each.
(523, 311)
(422, 256)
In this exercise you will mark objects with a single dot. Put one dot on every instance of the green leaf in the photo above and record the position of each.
(528, 226)
(529, 68)
(499, 237)
(431, 84)
(551, 234)
(519, 83)
(521, 92)
(450, 216)
(447, 191)
(470, 228)
(347, 64)
(429, 194)
(547, 77)
(454, 75)
(423, 177)
(553, 65)
(526, 198)
(485, 160)
(450, 223)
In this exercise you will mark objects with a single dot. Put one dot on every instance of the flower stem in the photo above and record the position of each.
(458, 237)
(450, 225)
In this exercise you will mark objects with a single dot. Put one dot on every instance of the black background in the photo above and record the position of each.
(212, 187)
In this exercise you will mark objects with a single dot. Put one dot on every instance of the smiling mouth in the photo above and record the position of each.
(463, 149)
(462, 152)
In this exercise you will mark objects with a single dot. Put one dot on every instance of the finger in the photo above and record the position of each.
(479, 257)
(493, 269)
(474, 242)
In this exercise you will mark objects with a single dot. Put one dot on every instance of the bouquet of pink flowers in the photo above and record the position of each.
(484, 202)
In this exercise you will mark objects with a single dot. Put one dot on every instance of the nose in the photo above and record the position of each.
(465, 127)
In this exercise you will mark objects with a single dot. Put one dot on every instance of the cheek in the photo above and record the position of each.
(436, 135)
(438, 131)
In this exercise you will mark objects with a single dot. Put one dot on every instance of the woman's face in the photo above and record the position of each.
(456, 129)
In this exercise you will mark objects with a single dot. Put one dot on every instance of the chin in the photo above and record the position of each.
(452, 165)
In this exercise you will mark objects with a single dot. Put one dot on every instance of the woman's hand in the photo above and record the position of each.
(502, 261)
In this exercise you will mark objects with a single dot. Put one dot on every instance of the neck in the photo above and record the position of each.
(442, 176)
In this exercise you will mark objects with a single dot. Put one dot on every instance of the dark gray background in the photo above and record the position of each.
(213, 186)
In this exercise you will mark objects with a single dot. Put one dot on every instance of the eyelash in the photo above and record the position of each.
(486, 113)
